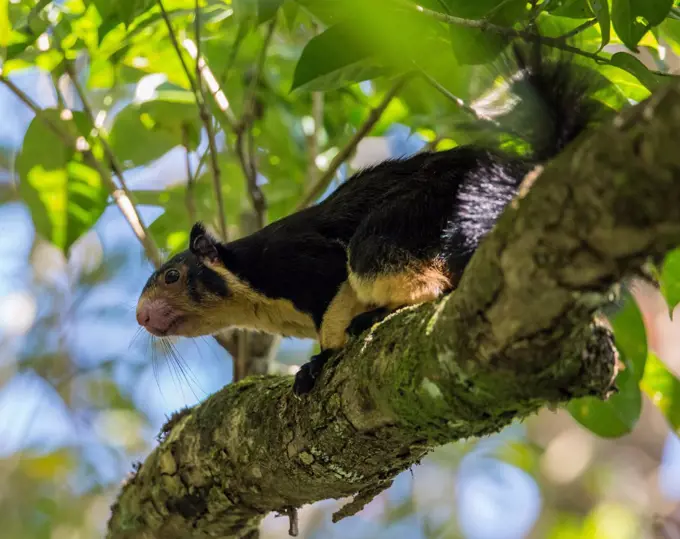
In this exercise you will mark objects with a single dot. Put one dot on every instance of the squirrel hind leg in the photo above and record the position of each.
(364, 321)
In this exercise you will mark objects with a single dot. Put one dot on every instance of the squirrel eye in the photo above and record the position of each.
(171, 276)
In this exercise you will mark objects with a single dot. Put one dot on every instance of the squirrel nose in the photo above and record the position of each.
(143, 314)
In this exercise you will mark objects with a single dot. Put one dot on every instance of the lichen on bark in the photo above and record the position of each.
(517, 334)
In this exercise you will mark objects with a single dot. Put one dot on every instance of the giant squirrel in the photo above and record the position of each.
(396, 234)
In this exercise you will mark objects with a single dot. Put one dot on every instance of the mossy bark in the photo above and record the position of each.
(517, 334)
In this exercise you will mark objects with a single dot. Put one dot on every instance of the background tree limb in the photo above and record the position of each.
(516, 335)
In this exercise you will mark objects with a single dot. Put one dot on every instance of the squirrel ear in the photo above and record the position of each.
(202, 244)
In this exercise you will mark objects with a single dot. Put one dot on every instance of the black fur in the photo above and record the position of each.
(306, 377)
(365, 321)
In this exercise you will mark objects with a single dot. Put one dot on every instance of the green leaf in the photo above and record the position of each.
(630, 335)
(65, 196)
(572, 9)
(670, 279)
(266, 9)
(635, 67)
(601, 10)
(145, 131)
(328, 11)
(663, 388)
(614, 417)
(625, 87)
(333, 59)
(633, 18)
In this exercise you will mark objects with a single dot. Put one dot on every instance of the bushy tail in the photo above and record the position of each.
(543, 103)
(546, 101)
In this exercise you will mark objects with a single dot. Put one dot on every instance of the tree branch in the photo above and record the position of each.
(485, 25)
(517, 334)
(313, 137)
(189, 197)
(374, 115)
(580, 28)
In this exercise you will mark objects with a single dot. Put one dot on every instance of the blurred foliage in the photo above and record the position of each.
(299, 99)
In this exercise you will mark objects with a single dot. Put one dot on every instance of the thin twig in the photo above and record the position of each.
(197, 88)
(247, 159)
(258, 199)
(201, 164)
(580, 28)
(485, 25)
(80, 144)
(173, 40)
(218, 102)
(190, 202)
(313, 137)
(457, 100)
(61, 102)
(197, 35)
(216, 173)
(373, 116)
(223, 112)
(210, 133)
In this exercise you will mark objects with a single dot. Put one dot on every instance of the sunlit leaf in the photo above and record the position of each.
(145, 131)
(627, 87)
(663, 388)
(65, 196)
